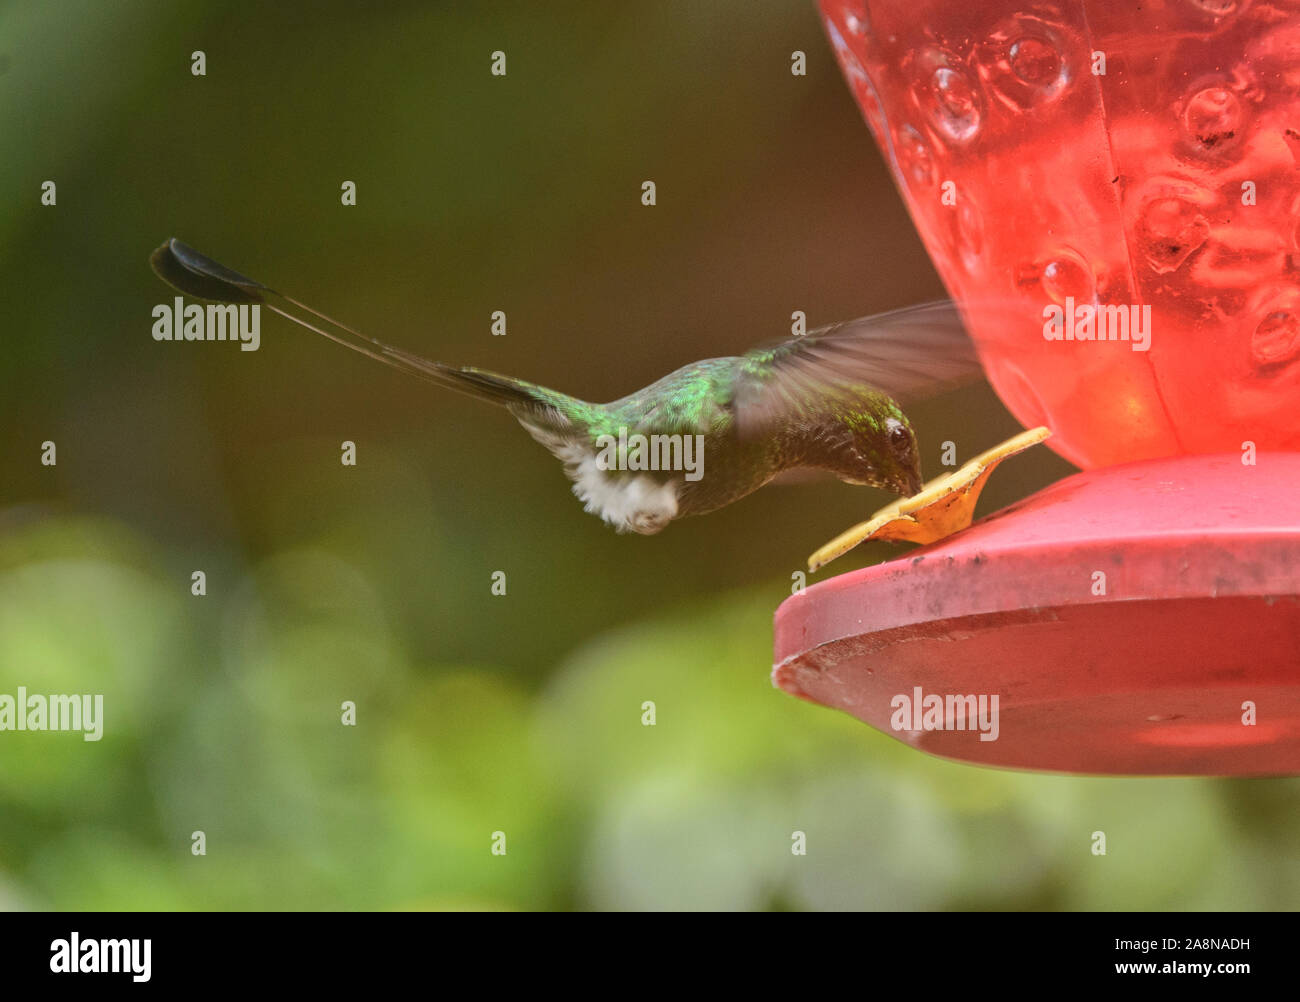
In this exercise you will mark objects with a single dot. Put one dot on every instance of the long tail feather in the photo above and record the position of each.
(195, 274)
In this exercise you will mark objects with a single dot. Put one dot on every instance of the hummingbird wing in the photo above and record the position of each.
(909, 354)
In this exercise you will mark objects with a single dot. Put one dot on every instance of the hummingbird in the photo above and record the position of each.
(829, 400)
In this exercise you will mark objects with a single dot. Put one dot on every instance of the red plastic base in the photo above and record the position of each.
(1129, 620)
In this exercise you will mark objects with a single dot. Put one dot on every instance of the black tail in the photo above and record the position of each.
(188, 271)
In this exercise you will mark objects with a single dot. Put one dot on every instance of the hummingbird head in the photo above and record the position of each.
(878, 449)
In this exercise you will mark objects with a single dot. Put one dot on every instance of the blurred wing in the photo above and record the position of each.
(909, 354)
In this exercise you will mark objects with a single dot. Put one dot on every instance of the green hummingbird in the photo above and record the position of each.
(708, 433)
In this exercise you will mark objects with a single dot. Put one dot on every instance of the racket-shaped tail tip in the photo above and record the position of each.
(188, 271)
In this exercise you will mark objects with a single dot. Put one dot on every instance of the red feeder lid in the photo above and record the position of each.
(1139, 619)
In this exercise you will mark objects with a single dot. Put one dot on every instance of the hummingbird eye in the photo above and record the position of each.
(900, 440)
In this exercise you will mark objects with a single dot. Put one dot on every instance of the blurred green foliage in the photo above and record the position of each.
(476, 713)
(223, 716)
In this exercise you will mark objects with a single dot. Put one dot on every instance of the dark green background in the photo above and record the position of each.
(476, 713)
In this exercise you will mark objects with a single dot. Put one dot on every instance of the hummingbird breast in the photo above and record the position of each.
(669, 450)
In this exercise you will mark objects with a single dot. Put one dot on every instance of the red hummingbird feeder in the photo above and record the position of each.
(1126, 180)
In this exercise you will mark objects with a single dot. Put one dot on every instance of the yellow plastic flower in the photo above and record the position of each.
(943, 506)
